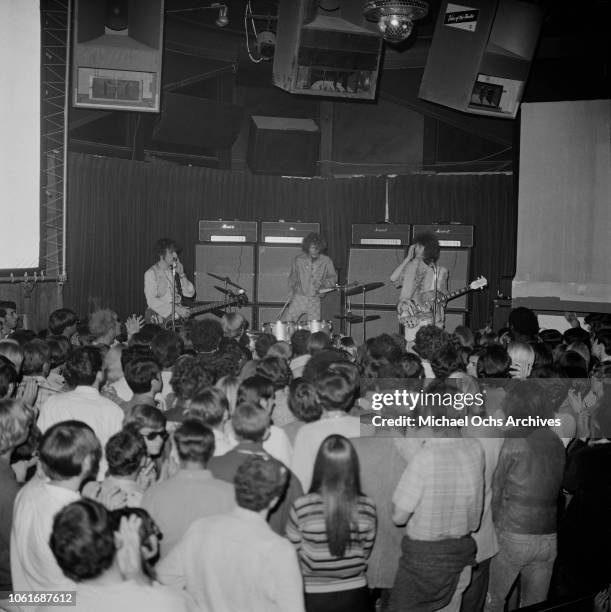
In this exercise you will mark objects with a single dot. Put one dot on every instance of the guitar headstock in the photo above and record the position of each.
(478, 283)
(242, 299)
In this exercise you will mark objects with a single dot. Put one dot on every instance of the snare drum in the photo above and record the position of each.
(281, 330)
(315, 325)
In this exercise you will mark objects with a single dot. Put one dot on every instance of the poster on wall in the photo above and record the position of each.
(461, 17)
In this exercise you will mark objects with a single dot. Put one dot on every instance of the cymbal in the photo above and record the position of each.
(364, 288)
(224, 279)
(352, 318)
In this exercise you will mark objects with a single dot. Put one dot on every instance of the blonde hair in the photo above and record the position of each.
(229, 385)
(521, 355)
(15, 421)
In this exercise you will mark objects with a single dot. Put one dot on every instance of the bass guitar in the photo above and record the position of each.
(413, 316)
(151, 316)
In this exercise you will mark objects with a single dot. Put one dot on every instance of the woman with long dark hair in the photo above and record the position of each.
(333, 529)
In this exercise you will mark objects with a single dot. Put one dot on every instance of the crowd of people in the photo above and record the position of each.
(211, 469)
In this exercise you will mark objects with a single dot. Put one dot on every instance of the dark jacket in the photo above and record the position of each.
(527, 482)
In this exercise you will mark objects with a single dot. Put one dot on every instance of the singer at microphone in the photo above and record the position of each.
(159, 279)
(311, 271)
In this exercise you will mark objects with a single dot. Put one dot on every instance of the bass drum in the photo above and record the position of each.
(281, 330)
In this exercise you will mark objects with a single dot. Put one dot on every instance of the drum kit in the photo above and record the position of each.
(283, 330)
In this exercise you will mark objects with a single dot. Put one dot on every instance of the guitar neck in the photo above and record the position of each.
(211, 306)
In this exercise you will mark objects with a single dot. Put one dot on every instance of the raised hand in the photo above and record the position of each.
(133, 325)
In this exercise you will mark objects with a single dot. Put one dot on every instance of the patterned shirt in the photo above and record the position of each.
(307, 276)
(322, 572)
(443, 486)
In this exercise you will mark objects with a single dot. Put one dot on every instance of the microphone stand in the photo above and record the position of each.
(174, 297)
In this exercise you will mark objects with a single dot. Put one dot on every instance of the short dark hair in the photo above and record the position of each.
(83, 539)
(277, 370)
(317, 342)
(299, 342)
(65, 446)
(262, 344)
(7, 305)
(523, 321)
(313, 239)
(140, 372)
(59, 350)
(61, 319)
(258, 481)
(143, 415)
(210, 405)
(576, 334)
(125, 452)
(167, 347)
(303, 401)
(336, 390)
(494, 362)
(189, 377)
(255, 388)
(83, 366)
(8, 376)
(431, 247)
(429, 340)
(35, 355)
(446, 360)
(194, 441)
(165, 244)
(250, 421)
(205, 335)
(102, 321)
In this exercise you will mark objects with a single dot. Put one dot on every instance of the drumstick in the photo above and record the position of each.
(284, 307)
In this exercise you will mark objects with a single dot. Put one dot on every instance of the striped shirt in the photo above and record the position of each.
(322, 572)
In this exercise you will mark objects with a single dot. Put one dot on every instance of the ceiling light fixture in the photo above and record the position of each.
(395, 17)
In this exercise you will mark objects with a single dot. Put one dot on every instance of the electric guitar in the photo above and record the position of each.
(414, 316)
(151, 316)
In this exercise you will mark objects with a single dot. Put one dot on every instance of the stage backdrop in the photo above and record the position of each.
(118, 208)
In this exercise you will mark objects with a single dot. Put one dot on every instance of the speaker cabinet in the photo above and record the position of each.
(480, 56)
(274, 266)
(330, 53)
(457, 263)
(454, 319)
(373, 264)
(117, 52)
(232, 260)
(282, 145)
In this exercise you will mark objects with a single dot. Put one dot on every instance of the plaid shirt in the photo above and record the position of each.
(443, 486)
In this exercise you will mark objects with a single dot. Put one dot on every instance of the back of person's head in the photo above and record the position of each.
(553, 382)
(523, 322)
(550, 337)
(527, 400)
(125, 452)
(83, 539)
(573, 364)
(299, 342)
(8, 377)
(317, 342)
(384, 348)
(210, 406)
(336, 390)
(576, 334)
(429, 341)
(336, 478)
(16, 419)
(348, 345)
(21, 336)
(543, 355)
(83, 366)
(61, 319)
(194, 442)
(465, 336)
(250, 421)
(205, 335)
(142, 416)
(582, 349)
(446, 361)
(276, 370)
(435, 402)
(258, 482)
(65, 447)
(255, 389)
(13, 351)
(102, 322)
(233, 324)
(229, 386)
(319, 363)
(262, 344)
(140, 372)
(167, 346)
(59, 350)
(189, 377)
(303, 401)
(493, 362)
(280, 350)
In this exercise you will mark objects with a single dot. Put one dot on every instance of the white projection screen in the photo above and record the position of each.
(564, 207)
(20, 134)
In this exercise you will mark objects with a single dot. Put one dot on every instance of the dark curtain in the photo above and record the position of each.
(118, 208)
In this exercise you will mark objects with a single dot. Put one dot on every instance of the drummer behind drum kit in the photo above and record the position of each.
(283, 330)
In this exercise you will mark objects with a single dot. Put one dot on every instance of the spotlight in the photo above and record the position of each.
(395, 17)
(266, 44)
(222, 20)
